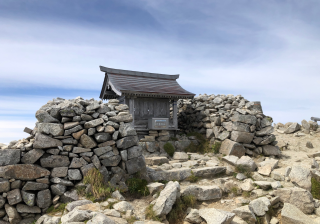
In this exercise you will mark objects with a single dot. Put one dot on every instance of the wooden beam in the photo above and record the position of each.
(175, 114)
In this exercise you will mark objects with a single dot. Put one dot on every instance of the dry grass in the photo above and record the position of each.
(150, 214)
(178, 212)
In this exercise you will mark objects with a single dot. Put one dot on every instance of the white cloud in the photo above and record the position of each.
(12, 129)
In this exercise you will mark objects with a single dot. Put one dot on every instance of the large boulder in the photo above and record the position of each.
(127, 142)
(248, 119)
(9, 157)
(292, 128)
(270, 150)
(301, 176)
(127, 129)
(298, 197)
(44, 117)
(260, 206)
(50, 129)
(45, 142)
(290, 214)
(215, 216)
(229, 147)
(242, 137)
(203, 193)
(136, 164)
(23, 172)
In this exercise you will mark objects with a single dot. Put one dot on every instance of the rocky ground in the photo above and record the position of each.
(274, 189)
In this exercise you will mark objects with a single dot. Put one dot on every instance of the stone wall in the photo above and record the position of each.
(239, 124)
(70, 138)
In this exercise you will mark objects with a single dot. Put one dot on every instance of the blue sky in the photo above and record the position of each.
(267, 51)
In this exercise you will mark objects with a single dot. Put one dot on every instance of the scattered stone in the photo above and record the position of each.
(215, 216)
(203, 193)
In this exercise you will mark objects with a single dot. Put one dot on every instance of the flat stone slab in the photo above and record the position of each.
(156, 160)
(174, 174)
(209, 171)
(203, 193)
(23, 172)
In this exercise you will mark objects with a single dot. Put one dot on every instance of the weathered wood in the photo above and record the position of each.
(175, 112)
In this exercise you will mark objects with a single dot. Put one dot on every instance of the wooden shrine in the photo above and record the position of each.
(148, 95)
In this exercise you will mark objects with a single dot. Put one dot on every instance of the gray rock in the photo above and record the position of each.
(117, 195)
(134, 152)
(127, 129)
(87, 141)
(301, 176)
(44, 199)
(181, 156)
(67, 112)
(102, 150)
(23, 172)
(9, 157)
(167, 198)
(102, 219)
(135, 165)
(58, 180)
(223, 135)
(2, 201)
(74, 204)
(246, 214)
(292, 215)
(111, 161)
(127, 142)
(124, 155)
(270, 150)
(177, 174)
(77, 216)
(4, 185)
(229, 147)
(70, 125)
(12, 214)
(209, 171)
(59, 172)
(248, 119)
(34, 186)
(155, 187)
(28, 198)
(50, 129)
(58, 189)
(102, 137)
(203, 193)
(242, 137)
(69, 196)
(156, 160)
(123, 206)
(96, 162)
(74, 174)
(32, 156)
(260, 206)
(238, 126)
(121, 118)
(247, 162)
(16, 184)
(45, 142)
(14, 197)
(80, 150)
(265, 131)
(69, 141)
(298, 197)
(77, 163)
(55, 161)
(215, 216)
(93, 123)
(44, 117)
(85, 169)
(21, 208)
(292, 128)
(73, 130)
(193, 217)
(309, 145)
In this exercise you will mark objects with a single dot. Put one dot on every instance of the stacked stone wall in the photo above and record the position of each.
(238, 123)
(70, 138)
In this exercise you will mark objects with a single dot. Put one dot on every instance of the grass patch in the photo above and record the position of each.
(245, 170)
(315, 188)
(173, 139)
(246, 194)
(131, 220)
(53, 210)
(178, 212)
(216, 147)
(169, 148)
(150, 214)
(234, 190)
(99, 188)
(192, 178)
(110, 205)
(138, 186)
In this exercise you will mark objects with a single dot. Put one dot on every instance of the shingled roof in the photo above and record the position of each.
(143, 84)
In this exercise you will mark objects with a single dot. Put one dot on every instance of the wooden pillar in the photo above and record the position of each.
(131, 108)
(175, 114)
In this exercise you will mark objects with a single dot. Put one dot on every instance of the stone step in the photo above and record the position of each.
(209, 171)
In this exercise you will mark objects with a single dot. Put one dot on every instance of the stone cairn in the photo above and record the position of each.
(70, 138)
(239, 124)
